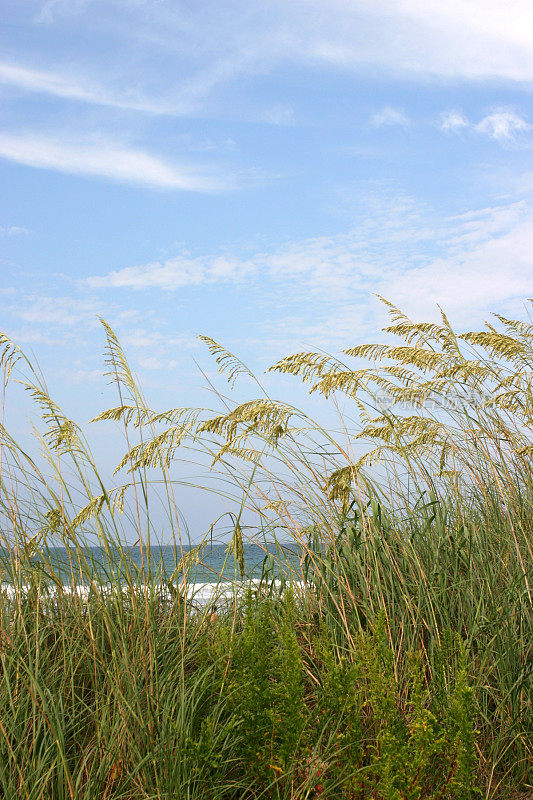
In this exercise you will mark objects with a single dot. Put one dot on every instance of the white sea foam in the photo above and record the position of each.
(201, 594)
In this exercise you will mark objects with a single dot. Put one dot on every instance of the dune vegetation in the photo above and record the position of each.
(392, 659)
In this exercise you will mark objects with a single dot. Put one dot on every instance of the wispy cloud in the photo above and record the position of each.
(453, 121)
(83, 90)
(50, 8)
(478, 40)
(475, 40)
(107, 159)
(390, 116)
(467, 263)
(175, 273)
(56, 311)
(14, 230)
(488, 266)
(155, 350)
(60, 319)
(152, 339)
(502, 125)
(278, 115)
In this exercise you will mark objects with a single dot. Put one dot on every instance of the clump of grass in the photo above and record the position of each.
(113, 699)
(398, 666)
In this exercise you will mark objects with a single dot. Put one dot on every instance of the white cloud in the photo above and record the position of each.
(155, 363)
(142, 338)
(467, 263)
(321, 291)
(106, 159)
(278, 115)
(80, 89)
(390, 116)
(175, 273)
(14, 230)
(492, 270)
(453, 121)
(55, 319)
(82, 376)
(205, 45)
(502, 125)
(478, 39)
(50, 8)
(30, 334)
(62, 312)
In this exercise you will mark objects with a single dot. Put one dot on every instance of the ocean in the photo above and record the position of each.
(213, 577)
(215, 563)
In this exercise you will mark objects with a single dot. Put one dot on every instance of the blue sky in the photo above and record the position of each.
(256, 171)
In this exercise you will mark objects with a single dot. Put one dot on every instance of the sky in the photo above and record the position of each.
(256, 172)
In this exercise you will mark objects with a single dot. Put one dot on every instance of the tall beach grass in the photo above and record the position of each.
(393, 659)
